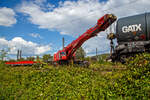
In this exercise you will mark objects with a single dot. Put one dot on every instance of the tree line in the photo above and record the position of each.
(80, 54)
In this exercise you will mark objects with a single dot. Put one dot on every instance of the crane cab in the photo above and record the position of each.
(63, 55)
(60, 55)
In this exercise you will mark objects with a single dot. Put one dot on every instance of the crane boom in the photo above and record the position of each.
(68, 51)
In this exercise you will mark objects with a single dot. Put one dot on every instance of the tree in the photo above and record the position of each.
(46, 58)
(12, 60)
(21, 59)
(30, 58)
(3, 54)
(37, 58)
(80, 54)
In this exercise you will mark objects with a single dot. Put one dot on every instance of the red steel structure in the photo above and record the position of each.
(68, 52)
(19, 63)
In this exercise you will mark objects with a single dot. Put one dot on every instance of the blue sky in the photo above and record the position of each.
(23, 28)
(37, 26)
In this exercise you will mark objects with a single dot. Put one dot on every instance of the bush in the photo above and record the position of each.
(135, 81)
(66, 82)
(37, 65)
(2, 64)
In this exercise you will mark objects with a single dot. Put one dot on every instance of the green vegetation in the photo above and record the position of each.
(3, 54)
(80, 53)
(46, 58)
(135, 81)
(102, 80)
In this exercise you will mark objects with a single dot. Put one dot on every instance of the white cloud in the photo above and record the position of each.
(35, 35)
(7, 16)
(39, 1)
(75, 17)
(27, 47)
(98, 42)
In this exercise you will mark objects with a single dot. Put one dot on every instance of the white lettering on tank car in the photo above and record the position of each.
(131, 28)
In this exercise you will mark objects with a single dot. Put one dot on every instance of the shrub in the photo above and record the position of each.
(135, 81)
(37, 65)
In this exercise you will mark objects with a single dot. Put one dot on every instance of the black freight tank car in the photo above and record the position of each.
(133, 36)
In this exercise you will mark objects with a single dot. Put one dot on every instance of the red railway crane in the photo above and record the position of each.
(68, 52)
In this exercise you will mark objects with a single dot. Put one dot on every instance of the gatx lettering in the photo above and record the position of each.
(131, 28)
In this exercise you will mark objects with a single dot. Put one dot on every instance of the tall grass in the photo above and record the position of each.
(102, 81)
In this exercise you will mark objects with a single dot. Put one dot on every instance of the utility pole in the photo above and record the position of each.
(63, 42)
(96, 54)
(18, 54)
